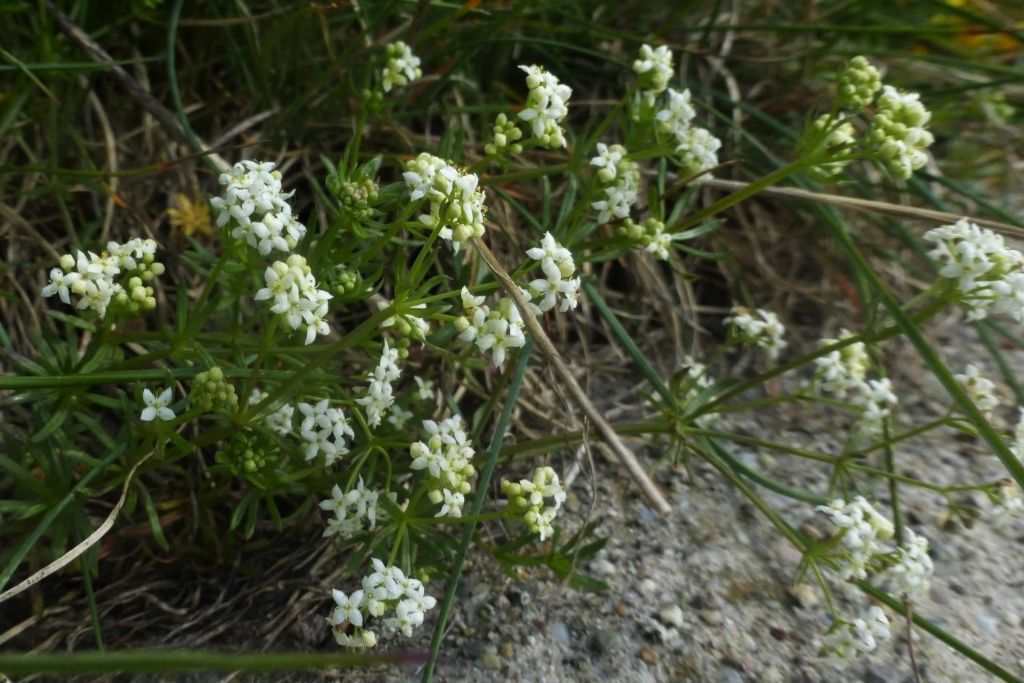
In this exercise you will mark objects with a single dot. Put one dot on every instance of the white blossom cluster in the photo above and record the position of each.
(456, 200)
(843, 373)
(911, 574)
(257, 209)
(380, 393)
(93, 278)
(980, 389)
(279, 421)
(296, 298)
(546, 106)
(527, 499)
(495, 329)
(759, 327)
(402, 67)
(447, 456)
(558, 281)
(847, 640)
(898, 131)
(697, 380)
(324, 429)
(352, 511)
(696, 147)
(385, 591)
(620, 179)
(840, 136)
(654, 70)
(989, 275)
(863, 533)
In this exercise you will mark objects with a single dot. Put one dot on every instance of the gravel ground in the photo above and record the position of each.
(712, 593)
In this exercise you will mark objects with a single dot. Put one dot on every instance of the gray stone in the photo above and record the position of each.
(727, 674)
(560, 632)
(672, 615)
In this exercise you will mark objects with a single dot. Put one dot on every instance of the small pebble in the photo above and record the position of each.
(648, 587)
(560, 632)
(507, 650)
(987, 622)
(602, 566)
(648, 655)
(601, 641)
(727, 674)
(772, 675)
(621, 609)
(1011, 619)
(804, 595)
(490, 659)
(672, 615)
(711, 617)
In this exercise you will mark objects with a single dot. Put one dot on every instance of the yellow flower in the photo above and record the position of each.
(191, 216)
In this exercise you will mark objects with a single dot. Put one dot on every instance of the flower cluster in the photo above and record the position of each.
(211, 391)
(527, 500)
(695, 381)
(93, 277)
(857, 84)
(546, 106)
(981, 390)
(558, 281)
(296, 297)
(351, 510)
(279, 421)
(844, 370)
(759, 327)
(989, 275)
(847, 640)
(495, 329)
(911, 574)
(386, 590)
(157, 406)
(620, 178)
(675, 117)
(504, 137)
(256, 208)
(380, 393)
(456, 200)
(406, 324)
(862, 532)
(697, 151)
(324, 430)
(654, 70)
(447, 456)
(652, 235)
(402, 67)
(898, 132)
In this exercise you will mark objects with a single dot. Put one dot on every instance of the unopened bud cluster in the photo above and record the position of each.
(212, 392)
(651, 234)
(402, 67)
(857, 84)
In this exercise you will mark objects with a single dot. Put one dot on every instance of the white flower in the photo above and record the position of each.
(912, 573)
(157, 406)
(545, 106)
(60, 283)
(843, 370)
(528, 499)
(759, 327)
(654, 69)
(457, 207)
(447, 457)
(324, 430)
(379, 393)
(697, 151)
(258, 210)
(898, 131)
(607, 160)
(876, 400)
(989, 275)
(622, 179)
(863, 532)
(293, 290)
(981, 390)
(402, 68)
(348, 608)
(675, 118)
(847, 640)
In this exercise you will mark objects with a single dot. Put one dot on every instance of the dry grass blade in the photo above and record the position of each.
(870, 205)
(624, 455)
(88, 542)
